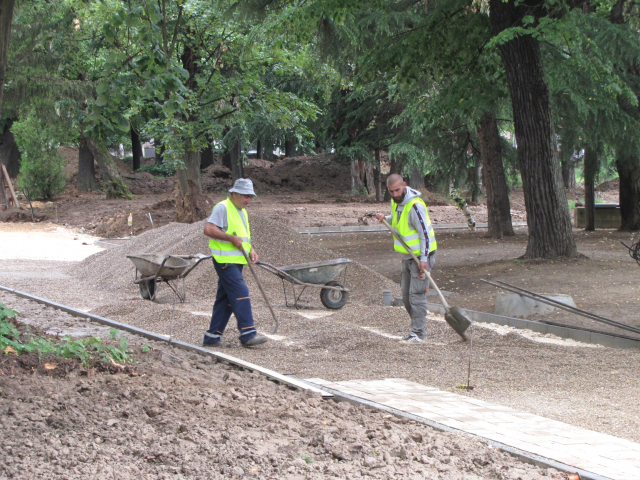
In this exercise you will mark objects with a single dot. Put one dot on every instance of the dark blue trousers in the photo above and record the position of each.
(232, 297)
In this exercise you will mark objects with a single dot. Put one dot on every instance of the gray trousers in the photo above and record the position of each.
(414, 294)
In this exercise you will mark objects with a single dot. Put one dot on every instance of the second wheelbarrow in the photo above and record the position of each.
(322, 275)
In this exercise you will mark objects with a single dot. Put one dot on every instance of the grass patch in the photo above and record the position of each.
(12, 341)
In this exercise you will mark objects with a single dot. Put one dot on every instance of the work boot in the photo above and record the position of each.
(411, 339)
(215, 346)
(253, 341)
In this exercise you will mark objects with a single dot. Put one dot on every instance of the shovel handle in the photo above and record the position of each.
(264, 295)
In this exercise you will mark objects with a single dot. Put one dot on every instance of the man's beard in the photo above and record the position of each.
(401, 198)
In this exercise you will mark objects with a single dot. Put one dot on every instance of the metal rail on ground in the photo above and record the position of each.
(292, 382)
(381, 228)
(297, 383)
(554, 303)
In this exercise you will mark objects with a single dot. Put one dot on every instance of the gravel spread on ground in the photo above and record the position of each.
(185, 416)
(594, 388)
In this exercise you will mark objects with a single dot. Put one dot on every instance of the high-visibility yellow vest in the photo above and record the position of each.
(224, 251)
(411, 237)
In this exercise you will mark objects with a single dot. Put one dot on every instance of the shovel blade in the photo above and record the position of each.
(458, 321)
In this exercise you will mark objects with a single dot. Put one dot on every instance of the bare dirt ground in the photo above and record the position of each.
(594, 388)
(174, 414)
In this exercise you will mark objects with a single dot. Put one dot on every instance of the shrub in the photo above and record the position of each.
(41, 168)
(162, 170)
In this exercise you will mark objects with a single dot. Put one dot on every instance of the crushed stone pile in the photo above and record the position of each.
(277, 244)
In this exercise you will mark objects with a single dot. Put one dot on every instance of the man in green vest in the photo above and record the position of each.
(229, 231)
(410, 218)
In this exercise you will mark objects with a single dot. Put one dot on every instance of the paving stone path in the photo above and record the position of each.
(594, 452)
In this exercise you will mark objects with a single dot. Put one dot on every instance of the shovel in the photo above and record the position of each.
(453, 315)
(264, 295)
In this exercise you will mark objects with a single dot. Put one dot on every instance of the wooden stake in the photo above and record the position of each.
(13, 193)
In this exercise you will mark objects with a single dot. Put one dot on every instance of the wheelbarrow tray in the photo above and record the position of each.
(317, 272)
(148, 265)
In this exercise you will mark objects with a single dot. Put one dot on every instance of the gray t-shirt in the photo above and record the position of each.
(219, 217)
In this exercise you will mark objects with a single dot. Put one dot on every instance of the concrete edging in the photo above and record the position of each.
(526, 457)
(290, 381)
(382, 228)
(576, 334)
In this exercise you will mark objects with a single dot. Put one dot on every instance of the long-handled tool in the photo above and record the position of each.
(453, 315)
(264, 295)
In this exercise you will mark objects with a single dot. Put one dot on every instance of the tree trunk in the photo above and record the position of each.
(376, 176)
(393, 168)
(190, 206)
(237, 168)
(568, 169)
(136, 149)
(495, 181)
(548, 217)
(114, 185)
(206, 156)
(289, 148)
(473, 175)
(590, 171)
(259, 149)
(4, 198)
(629, 171)
(86, 180)
(159, 151)
(356, 178)
(268, 150)
(369, 178)
(9, 153)
(6, 16)
(416, 179)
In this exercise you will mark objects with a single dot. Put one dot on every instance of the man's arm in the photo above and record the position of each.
(213, 231)
(418, 221)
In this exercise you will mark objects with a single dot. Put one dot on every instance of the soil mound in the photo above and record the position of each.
(314, 173)
(276, 244)
(609, 186)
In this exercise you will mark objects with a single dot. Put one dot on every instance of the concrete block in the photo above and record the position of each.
(516, 323)
(558, 331)
(625, 343)
(601, 339)
(607, 216)
(514, 305)
(538, 327)
(580, 336)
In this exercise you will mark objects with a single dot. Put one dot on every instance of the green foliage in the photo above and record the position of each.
(83, 350)
(41, 168)
(162, 170)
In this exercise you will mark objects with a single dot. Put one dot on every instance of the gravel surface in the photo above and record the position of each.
(185, 416)
(594, 388)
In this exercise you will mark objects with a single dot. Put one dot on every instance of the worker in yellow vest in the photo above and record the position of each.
(409, 216)
(229, 231)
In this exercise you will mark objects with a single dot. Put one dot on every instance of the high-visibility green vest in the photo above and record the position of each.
(224, 251)
(411, 237)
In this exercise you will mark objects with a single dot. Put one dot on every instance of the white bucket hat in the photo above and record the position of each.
(243, 186)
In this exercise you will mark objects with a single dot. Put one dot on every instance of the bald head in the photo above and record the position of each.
(396, 187)
(393, 179)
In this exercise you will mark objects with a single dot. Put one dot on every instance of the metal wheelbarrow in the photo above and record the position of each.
(634, 249)
(170, 269)
(320, 275)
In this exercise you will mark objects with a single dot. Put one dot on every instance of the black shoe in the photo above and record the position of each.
(253, 341)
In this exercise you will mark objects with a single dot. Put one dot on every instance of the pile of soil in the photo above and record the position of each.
(317, 173)
(180, 414)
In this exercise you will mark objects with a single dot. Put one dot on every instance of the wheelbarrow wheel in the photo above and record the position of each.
(333, 299)
(147, 289)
